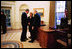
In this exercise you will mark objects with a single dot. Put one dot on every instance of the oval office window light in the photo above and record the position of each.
(59, 12)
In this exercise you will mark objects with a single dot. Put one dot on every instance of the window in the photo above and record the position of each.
(59, 13)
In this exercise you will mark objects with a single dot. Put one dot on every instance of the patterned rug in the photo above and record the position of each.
(11, 44)
(9, 40)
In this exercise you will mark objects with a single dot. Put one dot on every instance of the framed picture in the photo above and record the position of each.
(40, 11)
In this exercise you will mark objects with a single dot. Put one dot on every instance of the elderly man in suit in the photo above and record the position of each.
(36, 25)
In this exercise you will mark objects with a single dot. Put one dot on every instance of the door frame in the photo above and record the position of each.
(5, 7)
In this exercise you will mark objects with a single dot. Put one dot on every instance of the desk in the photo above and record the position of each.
(46, 37)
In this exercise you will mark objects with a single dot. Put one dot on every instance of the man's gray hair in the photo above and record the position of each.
(36, 10)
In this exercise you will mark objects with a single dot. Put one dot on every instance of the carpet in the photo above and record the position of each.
(11, 44)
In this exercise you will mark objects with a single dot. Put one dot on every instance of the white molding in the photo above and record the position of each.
(7, 3)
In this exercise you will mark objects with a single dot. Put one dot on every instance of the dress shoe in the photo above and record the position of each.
(23, 40)
(30, 41)
(26, 39)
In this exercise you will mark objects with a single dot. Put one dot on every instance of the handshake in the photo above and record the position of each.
(32, 26)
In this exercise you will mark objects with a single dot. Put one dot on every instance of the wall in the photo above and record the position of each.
(31, 5)
(15, 12)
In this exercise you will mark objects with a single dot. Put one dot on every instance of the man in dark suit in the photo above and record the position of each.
(3, 22)
(36, 25)
(24, 25)
(30, 23)
(64, 23)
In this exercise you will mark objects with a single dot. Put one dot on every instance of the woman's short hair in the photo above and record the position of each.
(31, 13)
